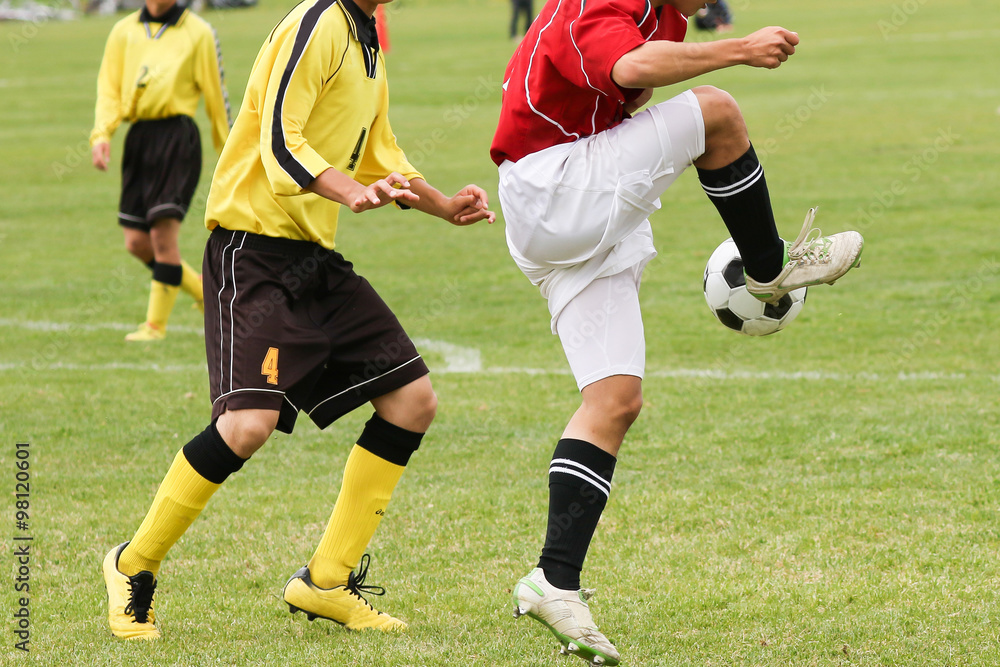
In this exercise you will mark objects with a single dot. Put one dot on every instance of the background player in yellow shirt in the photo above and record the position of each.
(289, 325)
(157, 64)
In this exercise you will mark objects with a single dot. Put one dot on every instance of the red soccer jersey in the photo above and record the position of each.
(558, 86)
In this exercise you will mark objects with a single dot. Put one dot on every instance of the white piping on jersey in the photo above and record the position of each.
(649, 8)
(159, 32)
(527, 93)
(222, 79)
(284, 135)
(583, 70)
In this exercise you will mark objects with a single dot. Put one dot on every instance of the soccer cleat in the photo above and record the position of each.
(813, 259)
(567, 616)
(130, 600)
(341, 604)
(146, 332)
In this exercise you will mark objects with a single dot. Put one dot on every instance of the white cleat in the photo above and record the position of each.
(813, 259)
(567, 616)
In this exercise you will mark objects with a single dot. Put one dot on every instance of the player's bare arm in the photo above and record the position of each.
(341, 188)
(662, 63)
(100, 155)
(467, 207)
(639, 102)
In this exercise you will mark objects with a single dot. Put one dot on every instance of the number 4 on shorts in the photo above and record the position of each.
(270, 365)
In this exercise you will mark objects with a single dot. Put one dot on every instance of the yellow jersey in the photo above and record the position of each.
(317, 98)
(156, 68)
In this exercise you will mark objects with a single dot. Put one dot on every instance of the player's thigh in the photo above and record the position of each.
(263, 349)
(663, 141)
(601, 330)
(371, 355)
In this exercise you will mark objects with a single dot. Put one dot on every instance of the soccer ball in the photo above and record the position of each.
(728, 298)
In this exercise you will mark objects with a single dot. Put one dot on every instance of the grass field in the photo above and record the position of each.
(826, 496)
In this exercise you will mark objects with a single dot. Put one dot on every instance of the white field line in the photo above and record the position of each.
(98, 326)
(459, 359)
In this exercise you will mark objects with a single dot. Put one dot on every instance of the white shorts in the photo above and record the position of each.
(579, 212)
(601, 329)
(576, 212)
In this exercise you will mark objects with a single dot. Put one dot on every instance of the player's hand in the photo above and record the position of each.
(383, 191)
(639, 102)
(769, 47)
(469, 206)
(100, 155)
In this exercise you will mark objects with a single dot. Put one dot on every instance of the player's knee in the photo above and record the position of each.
(138, 247)
(620, 409)
(720, 111)
(627, 409)
(425, 405)
(246, 431)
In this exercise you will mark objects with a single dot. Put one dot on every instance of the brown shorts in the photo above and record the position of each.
(290, 326)
(160, 168)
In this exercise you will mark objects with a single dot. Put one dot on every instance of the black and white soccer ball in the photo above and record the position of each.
(727, 296)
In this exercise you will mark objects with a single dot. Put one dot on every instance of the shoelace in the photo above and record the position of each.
(811, 247)
(356, 582)
(140, 598)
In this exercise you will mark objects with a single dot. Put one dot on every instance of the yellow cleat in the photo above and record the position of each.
(147, 332)
(130, 600)
(340, 604)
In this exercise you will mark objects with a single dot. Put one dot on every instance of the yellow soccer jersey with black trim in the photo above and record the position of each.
(155, 69)
(317, 98)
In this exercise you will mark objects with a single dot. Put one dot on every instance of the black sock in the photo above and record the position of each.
(739, 192)
(388, 441)
(579, 484)
(211, 457)
(151, 264)
(168, 274)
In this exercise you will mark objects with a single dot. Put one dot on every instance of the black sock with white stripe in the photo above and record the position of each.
(739, 192)
(579, 484)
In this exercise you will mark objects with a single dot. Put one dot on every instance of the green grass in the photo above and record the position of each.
(827, 496)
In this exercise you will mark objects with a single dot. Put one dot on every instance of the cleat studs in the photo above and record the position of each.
(572, 648)
(292, 609)
(311, 617)
(597, 661)
(563, 651)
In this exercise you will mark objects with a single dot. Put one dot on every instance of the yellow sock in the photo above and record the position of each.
(191, 284)
(181, 497)
(364, 494)
(161, 303)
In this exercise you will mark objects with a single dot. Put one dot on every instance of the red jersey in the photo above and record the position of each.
(558, 86)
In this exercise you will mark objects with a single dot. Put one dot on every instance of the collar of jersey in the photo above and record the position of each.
(362, 25)
(171, 17)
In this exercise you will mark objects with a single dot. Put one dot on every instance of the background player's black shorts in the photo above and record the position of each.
(160, 169)
(290, 326)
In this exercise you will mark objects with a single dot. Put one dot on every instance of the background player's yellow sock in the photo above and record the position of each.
(182, 496)
(162, 298)
(364, 494)
(163, 293)
(191, 284)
